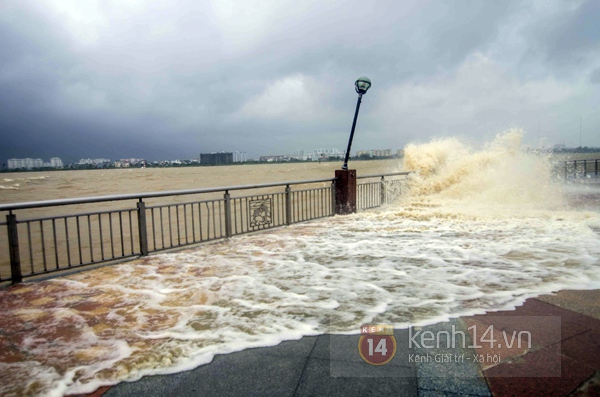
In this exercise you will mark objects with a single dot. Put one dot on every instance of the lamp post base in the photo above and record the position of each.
(345, 192)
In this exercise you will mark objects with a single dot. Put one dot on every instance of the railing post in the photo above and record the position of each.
(332, 192)
(584, 168)
(13, 248)
(596, 168)
(288, 205)
(574, 169)
(142, 231)
(227, 198)
(383, 192)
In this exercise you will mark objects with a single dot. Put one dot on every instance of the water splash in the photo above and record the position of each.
(501, 177)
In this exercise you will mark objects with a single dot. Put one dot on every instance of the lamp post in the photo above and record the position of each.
(345, 179)
(361, 86)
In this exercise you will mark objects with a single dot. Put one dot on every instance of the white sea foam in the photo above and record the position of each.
(478, 230)
(15, 184)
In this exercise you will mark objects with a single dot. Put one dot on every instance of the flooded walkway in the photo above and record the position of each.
(561, 361)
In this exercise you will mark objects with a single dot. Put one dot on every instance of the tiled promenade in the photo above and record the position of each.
(563, 360)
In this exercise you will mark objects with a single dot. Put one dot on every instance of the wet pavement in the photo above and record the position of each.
(549, 346)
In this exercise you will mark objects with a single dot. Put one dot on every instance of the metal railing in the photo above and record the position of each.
(56, 235)
(377, 190)
(56, 242)
(581, 168)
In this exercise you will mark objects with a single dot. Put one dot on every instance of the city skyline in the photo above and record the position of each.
(241, 157)
(170, 80)
(236, 157)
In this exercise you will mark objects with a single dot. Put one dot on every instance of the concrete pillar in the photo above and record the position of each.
(345, 192)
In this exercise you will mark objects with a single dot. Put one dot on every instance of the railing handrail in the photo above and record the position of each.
(136, 196)
(581, 167)
(380, 175)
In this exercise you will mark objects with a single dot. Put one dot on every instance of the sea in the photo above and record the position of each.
(478, 229)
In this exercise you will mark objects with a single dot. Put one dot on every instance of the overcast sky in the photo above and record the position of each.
(171, 79)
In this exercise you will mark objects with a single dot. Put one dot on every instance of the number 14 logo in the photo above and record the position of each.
(377, 349)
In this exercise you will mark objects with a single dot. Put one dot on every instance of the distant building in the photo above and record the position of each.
(276, 159)
(239, 157)
(94, 162)
(15, 164)
(303, 155)
(28, 164)
(134, 161)
(374, 153)
(56, 162)
(121, 164)
(316, 154)
(126, 163)
(382, 153)
(216, 158)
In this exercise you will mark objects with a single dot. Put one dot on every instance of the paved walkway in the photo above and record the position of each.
(563, 359)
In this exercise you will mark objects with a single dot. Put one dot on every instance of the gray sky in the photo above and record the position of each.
(170, 79)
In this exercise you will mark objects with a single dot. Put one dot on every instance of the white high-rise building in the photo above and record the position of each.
(27, 163)
(239, 157)
(96, 161)
(316, 154)
(56, 162)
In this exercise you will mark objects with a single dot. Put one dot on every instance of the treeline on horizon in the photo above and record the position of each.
(584, 149)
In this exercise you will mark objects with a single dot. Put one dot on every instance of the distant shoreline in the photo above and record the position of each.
(566, 156)
(197, 165)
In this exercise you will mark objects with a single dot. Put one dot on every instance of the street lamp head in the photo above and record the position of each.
(362, 85)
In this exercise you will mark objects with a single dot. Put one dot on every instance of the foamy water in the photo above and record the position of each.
(479, 230)
(15, 184)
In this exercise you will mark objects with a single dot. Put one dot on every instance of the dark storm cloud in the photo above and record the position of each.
(569, 39)
(112, 79)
